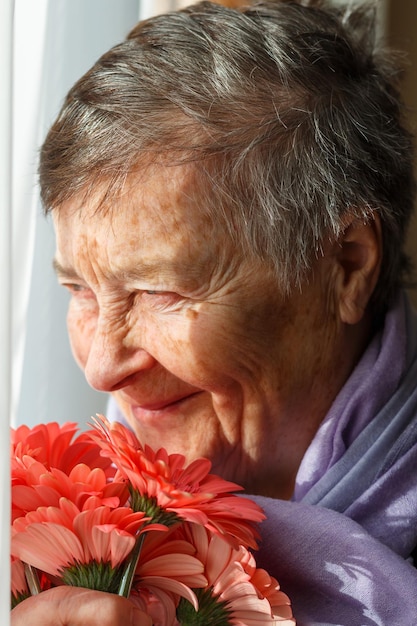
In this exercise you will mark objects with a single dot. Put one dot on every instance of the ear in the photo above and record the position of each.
(358, 256)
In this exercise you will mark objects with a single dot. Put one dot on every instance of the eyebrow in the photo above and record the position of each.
(147, 271)
(178, 273)
(63, 272)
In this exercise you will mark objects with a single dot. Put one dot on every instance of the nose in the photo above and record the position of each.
(115, 357)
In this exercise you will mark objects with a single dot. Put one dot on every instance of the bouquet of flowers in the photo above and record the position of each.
(101, 511)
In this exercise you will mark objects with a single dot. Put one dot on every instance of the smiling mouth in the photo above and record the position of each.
(160, 409)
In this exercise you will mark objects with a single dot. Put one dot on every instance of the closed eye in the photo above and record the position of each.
(161, 299)
(77, 290)
(74, 287)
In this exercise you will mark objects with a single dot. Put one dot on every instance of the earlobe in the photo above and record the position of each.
(358, 258)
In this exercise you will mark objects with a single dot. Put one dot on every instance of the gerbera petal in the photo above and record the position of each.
(193, 515)
(18, 579)
(121, 545)
(195, 472)
(48, 547)
(218, 557)
(154, 583)
(157, 603)
(28, 499)
(171, 565)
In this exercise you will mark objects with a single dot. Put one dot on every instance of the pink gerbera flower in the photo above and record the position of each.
(234, 595)
(34, 486)
(83, 548)
(55, 445)
(19, 586)
(48, 463)
(71, 524)
(166, 571)
(168, 490)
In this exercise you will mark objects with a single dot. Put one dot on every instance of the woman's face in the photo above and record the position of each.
(195, 342)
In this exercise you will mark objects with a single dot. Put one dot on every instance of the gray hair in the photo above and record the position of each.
(288, 110)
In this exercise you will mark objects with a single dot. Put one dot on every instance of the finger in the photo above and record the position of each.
(72, 606)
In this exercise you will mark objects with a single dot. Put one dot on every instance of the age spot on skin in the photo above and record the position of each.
(192, 314)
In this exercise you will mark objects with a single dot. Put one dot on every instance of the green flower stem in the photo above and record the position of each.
(32, 579)
(130, 568)
(158, 515)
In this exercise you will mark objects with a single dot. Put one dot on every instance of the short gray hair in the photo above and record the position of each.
(289, 111)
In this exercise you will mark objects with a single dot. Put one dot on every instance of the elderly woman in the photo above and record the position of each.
(230, 192)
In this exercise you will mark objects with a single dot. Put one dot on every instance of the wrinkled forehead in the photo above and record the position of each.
(154, 224)
(168, 199)
(106, 193)
(112, 195)
(185, 203)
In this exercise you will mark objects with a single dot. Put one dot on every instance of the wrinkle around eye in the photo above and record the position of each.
(79, 291)
(161, 300)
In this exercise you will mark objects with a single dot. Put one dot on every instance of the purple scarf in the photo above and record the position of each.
(339, 549)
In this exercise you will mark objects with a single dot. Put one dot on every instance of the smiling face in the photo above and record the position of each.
(200, 350)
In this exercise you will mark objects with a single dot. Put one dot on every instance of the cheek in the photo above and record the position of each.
(81, 329)
(222, 346)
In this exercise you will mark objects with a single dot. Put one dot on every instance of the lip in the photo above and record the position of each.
(160, 409)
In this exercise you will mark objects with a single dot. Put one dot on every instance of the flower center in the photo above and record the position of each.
(211, 610)
(19, 597)
(149, 506)
(93, 575)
